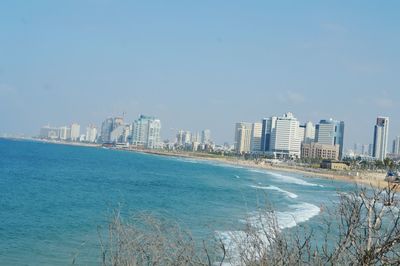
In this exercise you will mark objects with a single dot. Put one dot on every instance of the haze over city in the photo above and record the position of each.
(199, 65)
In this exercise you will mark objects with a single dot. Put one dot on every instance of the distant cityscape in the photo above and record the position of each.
(284, 137)
(280, 137)
(144, 133)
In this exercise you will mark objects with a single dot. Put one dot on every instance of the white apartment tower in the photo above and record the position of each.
(65, 133)
(75, 132)
(285, 137)
(243, 137)
(146, 132)
(381, 134)
(91, 133)
(206, 136)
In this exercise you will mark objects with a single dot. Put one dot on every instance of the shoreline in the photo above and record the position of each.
(370, 178)
(373, 179)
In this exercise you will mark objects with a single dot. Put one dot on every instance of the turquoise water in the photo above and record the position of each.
(53, 197)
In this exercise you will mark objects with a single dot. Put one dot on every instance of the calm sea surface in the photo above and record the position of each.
(53, 198)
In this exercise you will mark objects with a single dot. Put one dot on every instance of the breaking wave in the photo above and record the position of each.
(288, 193)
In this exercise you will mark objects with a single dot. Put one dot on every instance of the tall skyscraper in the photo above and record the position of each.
(330, 132)
(285, 140)
(91, 133)
(396, 145)
(108, 126)
(206, 136)
(309, 132)
(268, 125)
(146, 132)
(256, 131)
(75, 132)
(196, 137)
(243, 137)
(179, 137)
(187, 138)
(381, 134)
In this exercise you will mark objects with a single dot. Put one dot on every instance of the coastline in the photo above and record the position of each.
(374, 179)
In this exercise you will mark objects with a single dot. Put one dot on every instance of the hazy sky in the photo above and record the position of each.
(199, 64)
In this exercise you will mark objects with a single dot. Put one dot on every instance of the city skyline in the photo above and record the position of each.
(59, 64)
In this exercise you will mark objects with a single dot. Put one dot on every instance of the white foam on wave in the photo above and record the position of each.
(189, 160)
(238, 242)
(288, 179)
(209, 162)
(288, 193)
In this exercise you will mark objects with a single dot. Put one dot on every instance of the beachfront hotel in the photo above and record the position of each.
(286, 137)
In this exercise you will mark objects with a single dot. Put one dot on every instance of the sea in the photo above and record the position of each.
(54, 198)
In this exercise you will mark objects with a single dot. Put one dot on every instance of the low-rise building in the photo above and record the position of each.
(320, 151)
(335, 165)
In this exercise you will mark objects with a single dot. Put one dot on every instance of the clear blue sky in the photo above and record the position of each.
(199, 64)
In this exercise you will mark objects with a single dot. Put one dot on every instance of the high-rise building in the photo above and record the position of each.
(396, 145)
(179, 137)
(381, 134)
(146, 132)
(243, 137)
(187, 138)
(285, 141)
(108, 126)
(118, 134)
(268, 125)
(370, 149)
(206, 136)
(330, 132)
(301, 133)
(75, 132)
(196, 137)
(256, 131)
(48, 132)
(64, 133)
(309, 132)
(91, 133)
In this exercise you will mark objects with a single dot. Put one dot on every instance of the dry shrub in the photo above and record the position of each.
(364, 229)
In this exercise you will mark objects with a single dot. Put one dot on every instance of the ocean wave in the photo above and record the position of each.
(189, 160)
(209, 162)
(239, 243)
(288, 193)
(288, 179)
